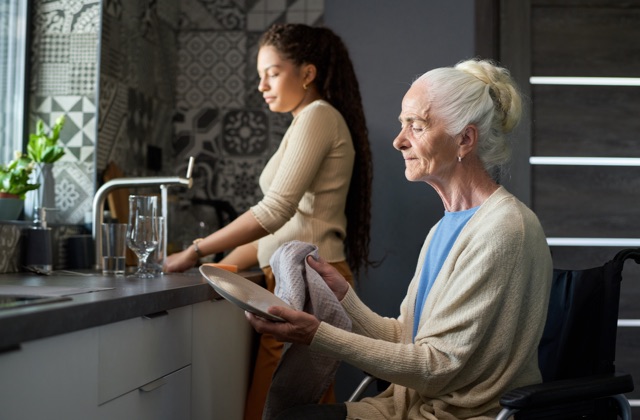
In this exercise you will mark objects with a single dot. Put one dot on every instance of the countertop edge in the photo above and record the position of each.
(18, 326)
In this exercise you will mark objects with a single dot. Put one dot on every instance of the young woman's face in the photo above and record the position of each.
(429, 152)
(281, 81)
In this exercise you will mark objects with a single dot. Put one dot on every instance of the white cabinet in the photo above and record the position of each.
(220, 361)
(188, 363)
(166, 398)
(53, 378)
(137, 351)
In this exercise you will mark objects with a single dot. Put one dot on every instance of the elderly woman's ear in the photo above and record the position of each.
(468, 140)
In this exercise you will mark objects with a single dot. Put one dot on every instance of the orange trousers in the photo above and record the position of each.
(268, 356)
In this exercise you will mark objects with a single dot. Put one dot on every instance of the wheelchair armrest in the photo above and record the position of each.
(566, 391)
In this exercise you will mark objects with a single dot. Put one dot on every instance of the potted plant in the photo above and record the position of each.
(14, 185)
(44, 150)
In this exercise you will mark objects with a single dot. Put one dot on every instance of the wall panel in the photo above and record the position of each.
(597, 39)
(586, 41)
(586, 201)
(586, 121)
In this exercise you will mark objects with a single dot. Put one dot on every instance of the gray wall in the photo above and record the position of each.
(391, 43)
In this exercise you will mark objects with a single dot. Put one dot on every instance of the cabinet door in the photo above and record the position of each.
(52, 378)
(166, 398)
(220, 361)
(140, 350)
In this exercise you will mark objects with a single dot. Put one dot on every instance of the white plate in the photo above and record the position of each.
(242, 292)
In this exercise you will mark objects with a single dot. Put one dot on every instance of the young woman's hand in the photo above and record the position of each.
(338, 285)
(180, 261)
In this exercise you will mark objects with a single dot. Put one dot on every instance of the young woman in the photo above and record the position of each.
(317, 185)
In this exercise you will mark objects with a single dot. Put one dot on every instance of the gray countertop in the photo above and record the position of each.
(124, 298)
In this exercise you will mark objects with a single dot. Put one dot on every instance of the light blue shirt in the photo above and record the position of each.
(443, 239)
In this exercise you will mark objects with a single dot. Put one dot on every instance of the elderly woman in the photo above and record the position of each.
(474, 312)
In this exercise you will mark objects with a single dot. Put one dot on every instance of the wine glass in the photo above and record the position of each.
(142, 230)
(157, 256)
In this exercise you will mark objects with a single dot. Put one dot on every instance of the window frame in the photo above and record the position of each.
(15, 103)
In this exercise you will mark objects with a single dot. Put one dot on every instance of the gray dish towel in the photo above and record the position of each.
(302, 375)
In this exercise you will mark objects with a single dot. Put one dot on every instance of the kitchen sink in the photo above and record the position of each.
(18, 296)
(17, 301)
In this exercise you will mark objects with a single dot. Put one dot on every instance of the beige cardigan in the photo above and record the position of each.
(479, 329)
(305, 185)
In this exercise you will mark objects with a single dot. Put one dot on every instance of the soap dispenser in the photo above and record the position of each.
(37, 255)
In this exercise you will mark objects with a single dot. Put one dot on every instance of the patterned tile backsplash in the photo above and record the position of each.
(210, 69)
(64, 57)
(178, 75)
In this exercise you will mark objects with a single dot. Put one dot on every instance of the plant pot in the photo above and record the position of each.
(10, 206)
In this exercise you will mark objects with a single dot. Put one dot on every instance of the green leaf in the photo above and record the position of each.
(14, 177)
(44, 148)
(57, 127)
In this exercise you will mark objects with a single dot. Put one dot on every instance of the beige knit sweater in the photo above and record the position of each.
(305, 184)
(479, 329)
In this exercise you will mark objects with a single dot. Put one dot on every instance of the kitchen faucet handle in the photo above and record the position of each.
(190, 167)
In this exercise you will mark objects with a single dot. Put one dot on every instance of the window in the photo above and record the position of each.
(13, 70)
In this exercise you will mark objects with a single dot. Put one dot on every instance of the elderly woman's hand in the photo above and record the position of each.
(338, 285)
(299, 327)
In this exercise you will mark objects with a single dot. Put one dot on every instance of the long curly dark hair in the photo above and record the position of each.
(337, 83)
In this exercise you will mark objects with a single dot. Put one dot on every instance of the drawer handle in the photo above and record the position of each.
(153, 385)
(156, 315)
(11, 348)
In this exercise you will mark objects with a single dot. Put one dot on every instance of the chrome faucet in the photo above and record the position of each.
(101, 195)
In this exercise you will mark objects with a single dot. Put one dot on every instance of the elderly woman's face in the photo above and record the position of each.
(430, 154)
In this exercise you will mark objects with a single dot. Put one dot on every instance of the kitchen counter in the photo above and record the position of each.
(124, 298)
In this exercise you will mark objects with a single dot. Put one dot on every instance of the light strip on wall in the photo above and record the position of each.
(634, 403)
(621, 242)
(579, 161)
(629, 323)
(585, 81)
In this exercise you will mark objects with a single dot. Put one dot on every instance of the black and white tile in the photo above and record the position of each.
(137, 85)
(213, 15)
(262, 13)
(64, 79)
(210, 69)
(74, 171)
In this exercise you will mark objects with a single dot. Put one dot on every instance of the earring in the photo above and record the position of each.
(459, 158)
(304, 86)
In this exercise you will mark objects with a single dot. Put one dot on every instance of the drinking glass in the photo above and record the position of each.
(142, 230)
